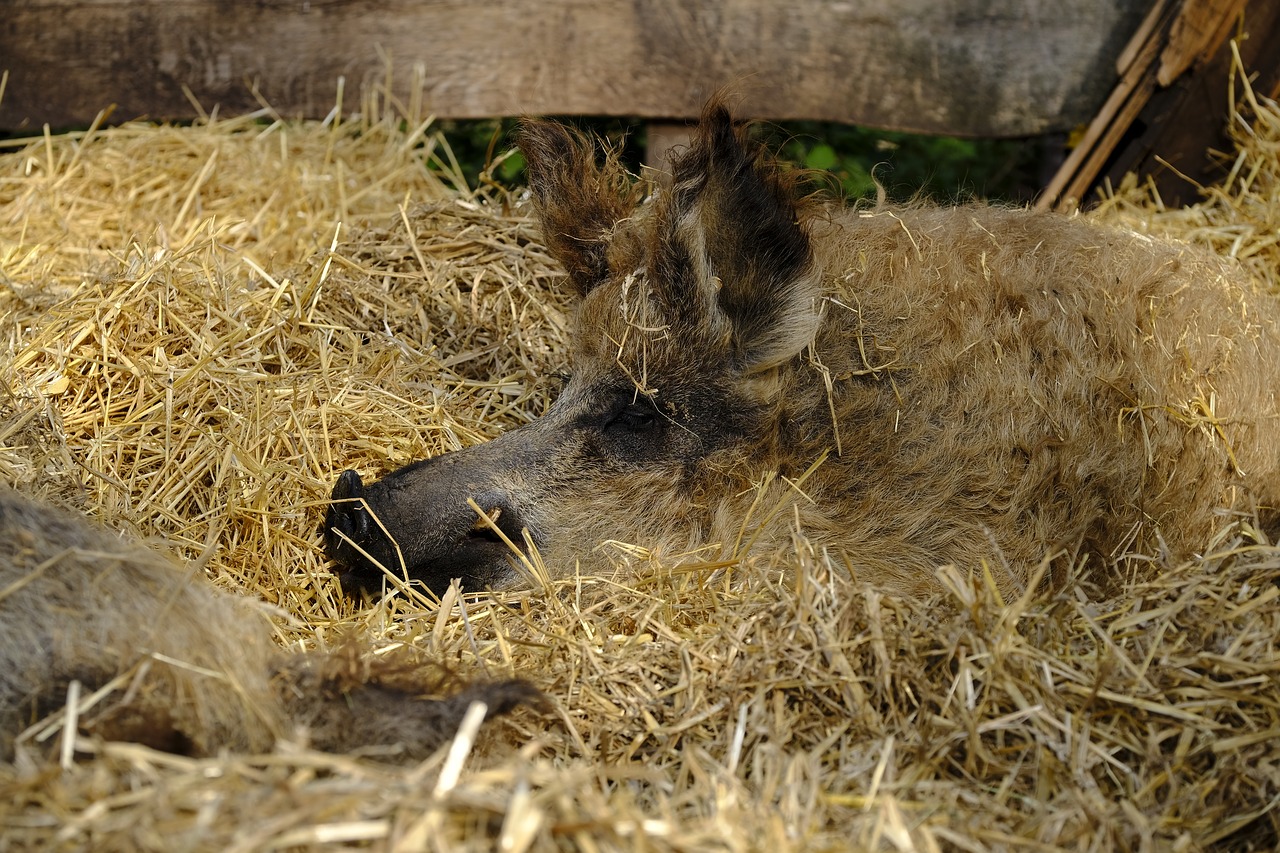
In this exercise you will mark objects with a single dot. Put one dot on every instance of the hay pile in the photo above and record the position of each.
(202, 326)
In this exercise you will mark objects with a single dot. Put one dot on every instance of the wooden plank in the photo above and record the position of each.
(1137, 81)
(968, 67)
(1183, 123)
(1166, 131)
(1157, 18)
(1196, 36)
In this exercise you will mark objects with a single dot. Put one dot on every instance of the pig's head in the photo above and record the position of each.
(690, 306)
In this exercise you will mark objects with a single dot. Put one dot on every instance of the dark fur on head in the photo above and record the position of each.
(578, 200)
(730, 267)
(729, 231)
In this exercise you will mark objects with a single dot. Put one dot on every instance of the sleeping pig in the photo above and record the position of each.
(187, 667)
(906, 386)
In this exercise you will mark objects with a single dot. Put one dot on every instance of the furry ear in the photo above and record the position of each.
(735, 247)
(578, 200)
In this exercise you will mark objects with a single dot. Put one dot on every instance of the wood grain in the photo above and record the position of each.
(966, 67)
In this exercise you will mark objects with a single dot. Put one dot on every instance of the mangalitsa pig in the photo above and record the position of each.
(194, 669)
(908, 386)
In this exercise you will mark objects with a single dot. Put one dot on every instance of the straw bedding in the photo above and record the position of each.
(202, 326)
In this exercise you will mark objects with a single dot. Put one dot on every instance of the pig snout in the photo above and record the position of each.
(417, 524)
(347, 523)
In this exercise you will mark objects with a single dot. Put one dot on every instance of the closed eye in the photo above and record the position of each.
(635, 417)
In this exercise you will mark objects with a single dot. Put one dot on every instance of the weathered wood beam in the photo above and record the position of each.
(969, 67)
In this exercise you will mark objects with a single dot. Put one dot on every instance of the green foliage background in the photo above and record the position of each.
(941, 168)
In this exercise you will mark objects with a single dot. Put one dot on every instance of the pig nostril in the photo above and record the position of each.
(356, 519)
(347, 513)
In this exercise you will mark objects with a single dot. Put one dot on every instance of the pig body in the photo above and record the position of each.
(195, 669)
(908, 387)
